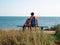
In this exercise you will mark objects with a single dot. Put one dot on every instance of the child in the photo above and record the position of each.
(27, 24)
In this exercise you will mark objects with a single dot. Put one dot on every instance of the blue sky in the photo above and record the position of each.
(25, 7)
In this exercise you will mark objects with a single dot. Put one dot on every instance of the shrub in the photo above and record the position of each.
(57, 35)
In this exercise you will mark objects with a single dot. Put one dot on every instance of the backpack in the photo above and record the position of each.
(33, 21)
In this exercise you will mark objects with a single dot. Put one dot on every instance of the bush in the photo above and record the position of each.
(57, 35)
(16, 37)
(56, 28)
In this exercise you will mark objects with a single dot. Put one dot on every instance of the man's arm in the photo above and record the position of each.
(36, 20)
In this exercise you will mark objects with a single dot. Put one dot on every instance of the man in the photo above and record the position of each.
(32, 21)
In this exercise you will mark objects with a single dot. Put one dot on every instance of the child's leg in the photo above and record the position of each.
(24, 27)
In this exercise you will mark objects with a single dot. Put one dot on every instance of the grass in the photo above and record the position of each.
(17, 37)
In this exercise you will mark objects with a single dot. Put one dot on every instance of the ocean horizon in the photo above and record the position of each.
(14, 21)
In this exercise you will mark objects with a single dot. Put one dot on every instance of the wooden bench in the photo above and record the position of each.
(41, 27)
(45, 31)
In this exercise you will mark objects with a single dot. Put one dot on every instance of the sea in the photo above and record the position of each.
(14, 21)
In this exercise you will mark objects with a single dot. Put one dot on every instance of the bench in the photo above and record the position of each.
(41, 27)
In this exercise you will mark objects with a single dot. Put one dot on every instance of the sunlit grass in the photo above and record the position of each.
(17, 37)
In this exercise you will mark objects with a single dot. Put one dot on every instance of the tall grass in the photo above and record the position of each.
(17, 37)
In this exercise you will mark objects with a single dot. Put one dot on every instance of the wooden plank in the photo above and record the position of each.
(50, 32)
(37, 26)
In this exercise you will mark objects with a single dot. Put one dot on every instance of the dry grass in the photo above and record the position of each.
(17, 37)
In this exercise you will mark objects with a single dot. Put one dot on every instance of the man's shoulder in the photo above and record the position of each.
(36, 17)
(32, 17)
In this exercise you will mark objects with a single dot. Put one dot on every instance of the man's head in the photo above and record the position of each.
(32, 13)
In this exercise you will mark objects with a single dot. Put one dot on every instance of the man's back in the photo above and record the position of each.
(34, 20)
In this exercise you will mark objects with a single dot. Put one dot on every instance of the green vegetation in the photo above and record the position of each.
(17, 37)
(57, 35)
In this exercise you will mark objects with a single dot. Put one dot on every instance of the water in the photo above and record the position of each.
(13, 22)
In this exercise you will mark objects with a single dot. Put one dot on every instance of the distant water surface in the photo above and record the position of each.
(12, 22)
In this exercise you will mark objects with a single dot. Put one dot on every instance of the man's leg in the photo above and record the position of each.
(35, 28)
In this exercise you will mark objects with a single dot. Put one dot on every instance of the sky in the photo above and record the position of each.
(25, 7)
